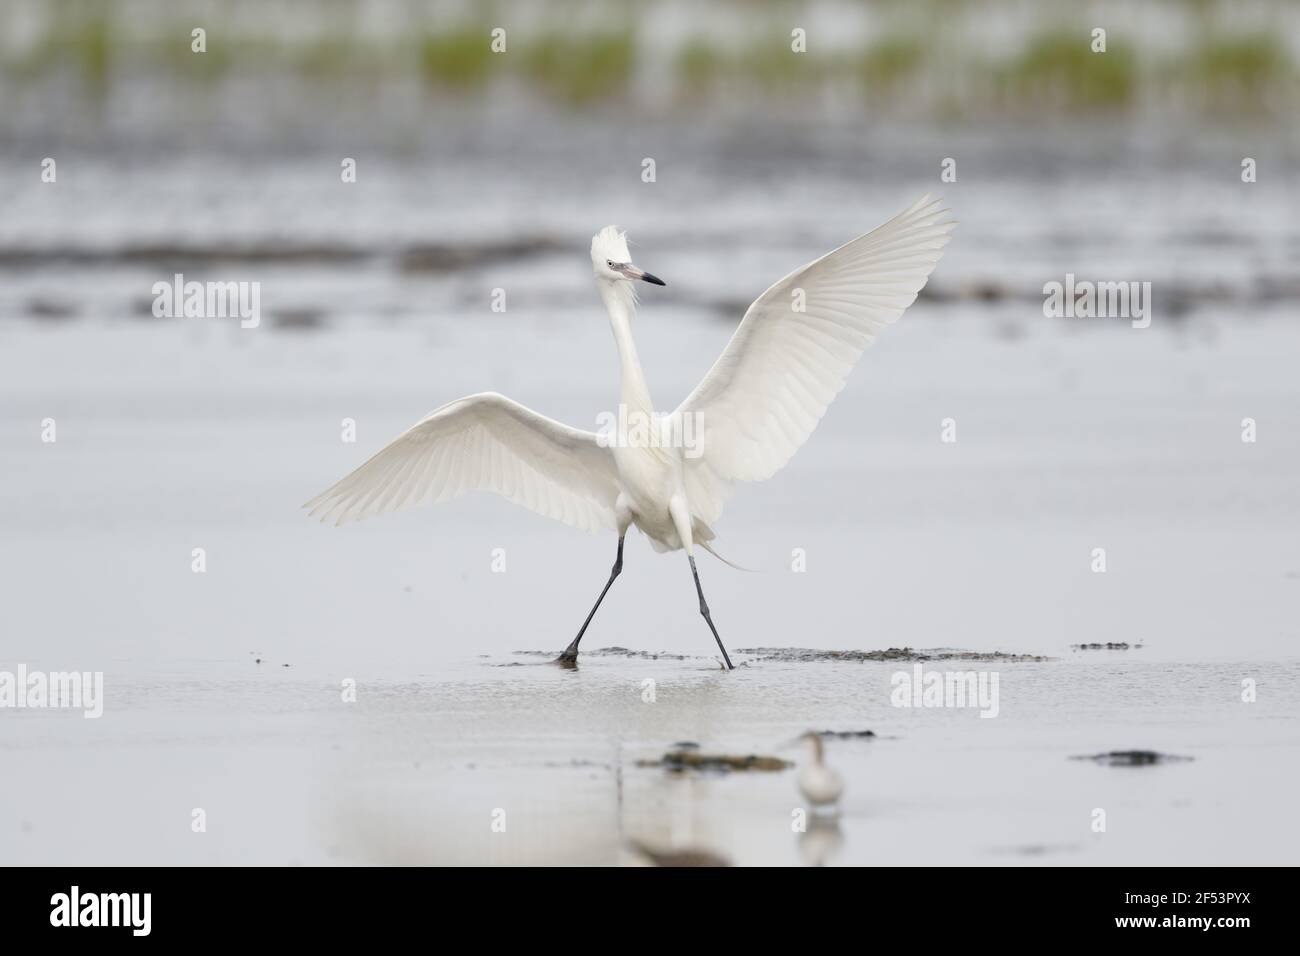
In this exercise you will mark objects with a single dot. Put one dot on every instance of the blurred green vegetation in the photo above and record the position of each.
(322, 58)
(766, 68)
(885, 65)
(579, 69)
(1061, 69)
(699, 67)
(459, 59)
(770, 68)
(916, 60)
(1236, 74)
(78, 39)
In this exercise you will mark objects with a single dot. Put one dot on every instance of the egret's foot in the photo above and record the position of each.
(704, 612)
(569, 656)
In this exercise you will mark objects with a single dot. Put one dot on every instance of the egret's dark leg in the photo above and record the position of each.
(570, 655)
(704, 610)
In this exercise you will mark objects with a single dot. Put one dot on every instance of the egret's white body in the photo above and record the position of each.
(758, 403)
(820, 785)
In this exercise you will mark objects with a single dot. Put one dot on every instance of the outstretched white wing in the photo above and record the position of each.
(794, 350)
(483, 442)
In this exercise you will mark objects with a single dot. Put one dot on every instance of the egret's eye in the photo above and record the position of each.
(610, 263)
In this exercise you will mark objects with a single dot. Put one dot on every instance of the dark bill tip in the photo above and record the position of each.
(652, 279)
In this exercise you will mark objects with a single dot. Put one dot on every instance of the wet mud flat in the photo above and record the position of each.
(815, 655)
(892, 654)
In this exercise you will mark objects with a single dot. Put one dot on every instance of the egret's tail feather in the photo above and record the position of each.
(731, 564)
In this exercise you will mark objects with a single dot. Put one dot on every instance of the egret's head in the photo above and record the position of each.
(611, 260)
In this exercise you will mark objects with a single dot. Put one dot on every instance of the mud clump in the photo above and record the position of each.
(1132, 758)
(679, 761)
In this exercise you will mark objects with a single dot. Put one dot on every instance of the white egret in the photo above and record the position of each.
(757, 405)
(820, 785)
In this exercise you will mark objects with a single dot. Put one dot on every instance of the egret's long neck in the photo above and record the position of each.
(621, 303)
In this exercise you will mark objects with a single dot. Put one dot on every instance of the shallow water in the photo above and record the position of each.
(416, 770)
(1072, 435)
(1069, 439)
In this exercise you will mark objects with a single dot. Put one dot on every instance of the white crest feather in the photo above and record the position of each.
(610, 243)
